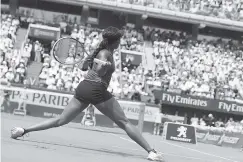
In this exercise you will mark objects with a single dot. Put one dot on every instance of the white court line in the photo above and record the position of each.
(181, 156)
(7, 140)
(205, 153)
(99, 129)
(169, 154)
(123, 138)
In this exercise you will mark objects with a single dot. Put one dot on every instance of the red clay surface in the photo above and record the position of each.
(74, 143)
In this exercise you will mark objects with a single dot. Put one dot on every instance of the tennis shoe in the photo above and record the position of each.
(17, 132)
(155, 156)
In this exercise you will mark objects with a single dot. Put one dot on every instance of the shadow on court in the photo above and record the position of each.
(104, 150)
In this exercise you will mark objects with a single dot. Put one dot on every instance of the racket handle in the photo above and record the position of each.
(99, 61)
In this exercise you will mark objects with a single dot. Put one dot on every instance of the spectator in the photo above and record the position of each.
(68, 84)
(43, 77)
(60, 84)
(194, 120)
(3, 68)
(157, 123)
(21, 70)
(202, 121)
(9, 75)
(219, 123)
(38, 51)
(50, 81)
(210, 121)
(26, 54)
(230, 125)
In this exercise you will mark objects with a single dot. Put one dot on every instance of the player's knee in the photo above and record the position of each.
(60, 121)
(123, 123)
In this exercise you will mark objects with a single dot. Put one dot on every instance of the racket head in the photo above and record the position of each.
(69, 51)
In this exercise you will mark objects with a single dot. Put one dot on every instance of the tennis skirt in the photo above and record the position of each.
(91, 92)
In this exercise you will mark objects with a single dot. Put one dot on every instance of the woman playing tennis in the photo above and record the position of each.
(93, 90)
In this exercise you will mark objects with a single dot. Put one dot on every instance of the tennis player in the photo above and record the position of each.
(93, 90)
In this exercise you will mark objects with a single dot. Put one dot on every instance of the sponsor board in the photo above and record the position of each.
(43, 32)
(180, 133)
(212, 137)
(60, 100)
(220, 138)
(136, 58)
(188, 134)
(224, 106)
(230, 107)
(19, 112)
(187, 100)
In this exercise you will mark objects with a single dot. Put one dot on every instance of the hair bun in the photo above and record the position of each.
(112, 33)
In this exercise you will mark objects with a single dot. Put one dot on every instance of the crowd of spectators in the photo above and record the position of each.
(58, 77)
(229, 9)
(210, 122)
(132, 39)
(127, 83)
(206, 68)
(202, 68)
(202, 123)
(12, 65)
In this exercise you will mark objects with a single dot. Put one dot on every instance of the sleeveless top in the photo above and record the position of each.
(104, 80)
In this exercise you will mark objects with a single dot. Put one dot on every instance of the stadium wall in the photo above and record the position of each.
(49, 112)
(48, 104)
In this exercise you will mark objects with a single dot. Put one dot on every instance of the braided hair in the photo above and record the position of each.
(110, 35)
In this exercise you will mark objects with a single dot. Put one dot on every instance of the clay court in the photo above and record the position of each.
(75, 143)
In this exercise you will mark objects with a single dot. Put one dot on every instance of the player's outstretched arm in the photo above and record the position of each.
(84, 65)
(102, 62)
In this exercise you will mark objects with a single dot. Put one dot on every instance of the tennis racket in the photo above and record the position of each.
(69, 51)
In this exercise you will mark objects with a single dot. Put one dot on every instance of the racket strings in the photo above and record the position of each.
(69, 51)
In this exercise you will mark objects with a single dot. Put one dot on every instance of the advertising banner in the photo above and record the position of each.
(44, 32)
(135, 58)
(52, 100)
(212, 137)
(232, 140)
(189, 134)
(180, 132)
(219, 137)
(200, 134)
(201, 103)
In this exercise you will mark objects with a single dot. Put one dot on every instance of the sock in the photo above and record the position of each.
(24, 132)
(152, 151)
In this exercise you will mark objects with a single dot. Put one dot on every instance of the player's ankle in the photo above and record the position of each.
(152, 150)
(25, 131)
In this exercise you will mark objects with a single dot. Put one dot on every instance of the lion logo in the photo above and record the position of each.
(182, 131)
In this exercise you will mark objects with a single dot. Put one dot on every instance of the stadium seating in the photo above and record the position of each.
(202, 68)
(52, 75)
(168, 50)
(205, 68)
(13, 66)
(229, 9)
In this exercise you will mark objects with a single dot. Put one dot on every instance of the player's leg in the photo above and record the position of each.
(112, 109)
(69, 113)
